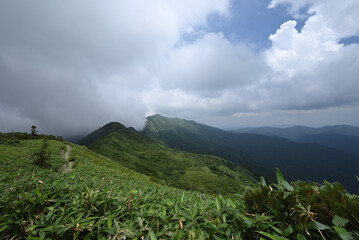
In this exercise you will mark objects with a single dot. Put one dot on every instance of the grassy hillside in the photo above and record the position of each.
(262, 153)
(100, 199)
(185, 170)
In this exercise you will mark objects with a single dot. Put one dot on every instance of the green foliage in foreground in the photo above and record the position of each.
(100, 199)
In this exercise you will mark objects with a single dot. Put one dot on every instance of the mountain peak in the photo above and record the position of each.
(99, 133)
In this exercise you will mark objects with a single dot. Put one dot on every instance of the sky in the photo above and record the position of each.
(69, 67)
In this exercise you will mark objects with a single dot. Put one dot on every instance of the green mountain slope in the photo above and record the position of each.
(345, 143)
(100, 199)
(177, 168)
(262, 153)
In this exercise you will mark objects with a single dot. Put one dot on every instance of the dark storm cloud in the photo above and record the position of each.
(54, 59)
(71, 66)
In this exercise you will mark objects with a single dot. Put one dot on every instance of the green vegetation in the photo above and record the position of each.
(185, 170)
(263, 154)
(304, 206)
(100, 199)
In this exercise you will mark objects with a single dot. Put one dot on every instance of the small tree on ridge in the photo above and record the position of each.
(33, 130)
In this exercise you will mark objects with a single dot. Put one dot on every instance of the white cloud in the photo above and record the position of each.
(319, 72)
(293, 4)
(178, 101)
(294, 52)
(210, 65)
(339, 16)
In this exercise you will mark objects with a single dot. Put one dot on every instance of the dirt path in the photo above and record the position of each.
(68, 165)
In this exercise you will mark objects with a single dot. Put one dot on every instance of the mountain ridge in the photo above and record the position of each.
(177, 168)
(263, 153)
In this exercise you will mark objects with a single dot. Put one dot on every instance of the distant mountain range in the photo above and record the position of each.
(343, 137)
(263, 154)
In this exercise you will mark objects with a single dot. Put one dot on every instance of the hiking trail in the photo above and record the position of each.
(69, 164)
